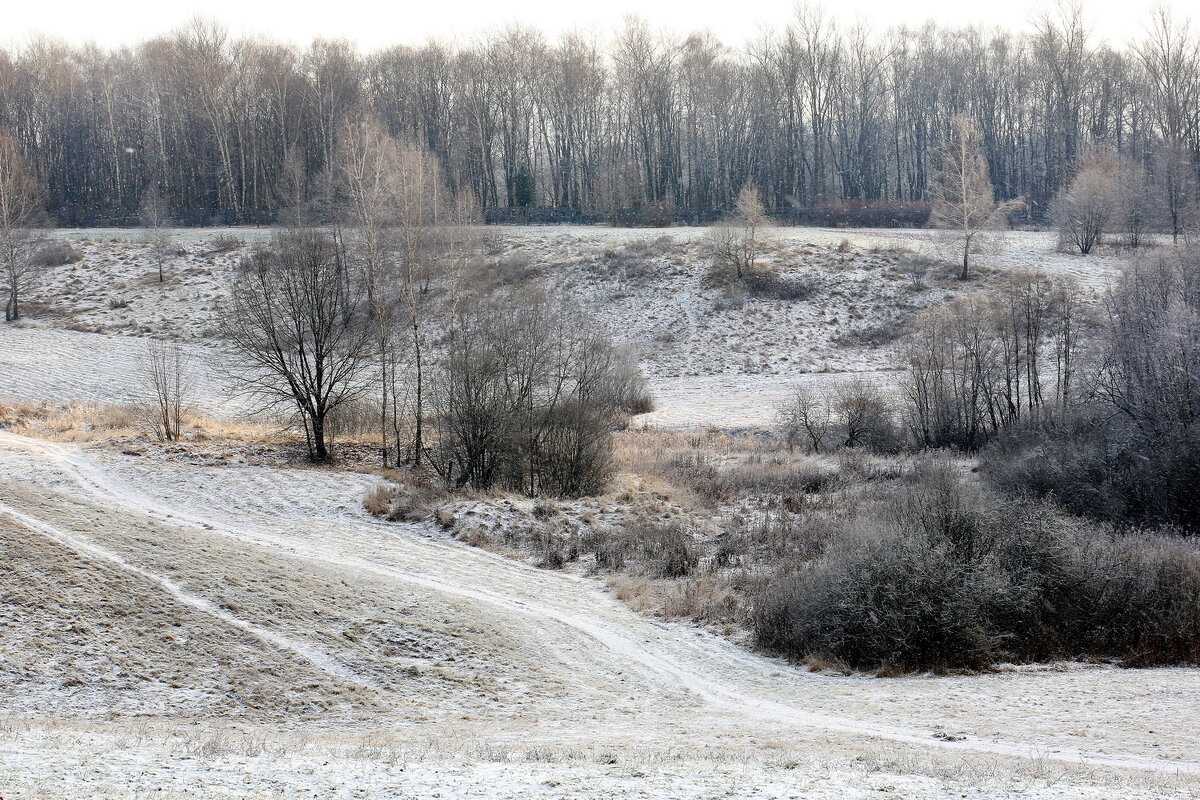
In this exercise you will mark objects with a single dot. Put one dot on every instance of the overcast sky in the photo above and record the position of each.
(376, 23)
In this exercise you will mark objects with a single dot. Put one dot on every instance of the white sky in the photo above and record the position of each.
(377, 23)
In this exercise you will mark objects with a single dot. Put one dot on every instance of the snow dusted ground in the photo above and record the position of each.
(736, 401)
(114, 286)
(56, 365)
(38, 364)
(716, 361)
(214, 762)
(712, 359)
(244, 632)
(174, 630)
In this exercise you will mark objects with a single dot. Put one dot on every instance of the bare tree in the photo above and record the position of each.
(1170, 58)
(1134, 206)
(291, 191)
(167, 384)
(20, 211)
(529, 396)
(153, 214)
(982, 364)
(411, 239)
(861, 409)
(1176, 178)
(1084, 210)
(370, 169)
(733, 244)
(296, 323)
(804, 415)
(422, 204)
(961, 194)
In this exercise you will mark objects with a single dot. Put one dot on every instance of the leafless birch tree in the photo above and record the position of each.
(1084, 210)
(961, 194)
(20, 211)
(734, 243)
(370, 171)
(153, 213)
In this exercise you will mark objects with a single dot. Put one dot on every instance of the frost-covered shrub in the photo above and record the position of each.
(410, 502)
(669, 551)
(636, 262)
(946, 577)
(881, 597)
(699, 475)
(225, 243)
(56, 253)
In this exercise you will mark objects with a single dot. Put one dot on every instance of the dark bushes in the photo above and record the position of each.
(1088, 463)
(56, 253)
(768, 285)
(872, 334)
(656, 549)
(947, 578)
(879, 598)
(866, 417)
(1130, 451)
(862, 214)
(528, 398)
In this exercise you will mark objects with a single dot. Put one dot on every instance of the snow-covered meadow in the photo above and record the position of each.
(177, 630)
(710, 359)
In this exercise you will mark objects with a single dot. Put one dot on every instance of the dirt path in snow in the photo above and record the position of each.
(665, 680)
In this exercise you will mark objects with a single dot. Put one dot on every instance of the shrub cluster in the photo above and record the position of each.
(1129, 448)
(225, 243)
(528, 397)
(946, 578)
(872, 334)
(407, 502)
(853, 413)
(635, 261)
(769, 285)
(56, 253)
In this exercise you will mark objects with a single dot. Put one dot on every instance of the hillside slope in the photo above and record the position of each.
(265, 594)
(714, 355)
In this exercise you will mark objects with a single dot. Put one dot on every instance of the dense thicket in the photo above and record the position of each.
(943, 576)
(1129, 447)
(813, 114)
(528, 397)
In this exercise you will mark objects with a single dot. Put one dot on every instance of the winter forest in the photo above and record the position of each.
(831, 121)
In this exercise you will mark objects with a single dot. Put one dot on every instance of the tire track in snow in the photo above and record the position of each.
(84, 547)
(665, 662)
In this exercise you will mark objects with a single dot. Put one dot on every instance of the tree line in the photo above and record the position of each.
(813, 113)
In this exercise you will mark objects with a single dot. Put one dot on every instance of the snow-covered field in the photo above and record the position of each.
(711, 360)
(271, 639)
(176, 630)
(56, 365)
